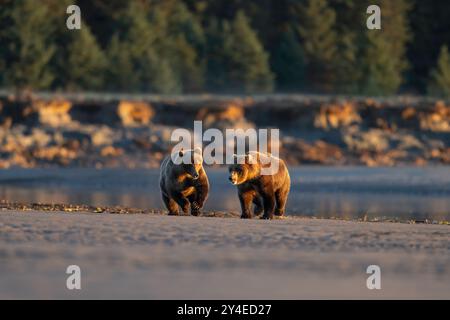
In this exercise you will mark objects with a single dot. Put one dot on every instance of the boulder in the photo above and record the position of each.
(135, 113)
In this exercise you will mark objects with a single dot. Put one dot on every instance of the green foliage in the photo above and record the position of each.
(348, 74)
(237, 57)
(251, 46)
(288, 62)
(25, 45)
(180, 39)
(383, 51)
(134, 61)
(381, 75)
(83, 62)
(440, 75)
(316, 24)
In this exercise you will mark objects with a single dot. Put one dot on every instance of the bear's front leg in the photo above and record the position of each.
(198, 199)
(171, 205)
(269, 205)
(182, 201)
(246, 198)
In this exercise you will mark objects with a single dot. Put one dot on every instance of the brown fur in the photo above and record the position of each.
(180, 189)
(268, 193)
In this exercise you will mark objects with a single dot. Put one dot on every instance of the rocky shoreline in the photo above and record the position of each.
(91, 131)
(75, 208)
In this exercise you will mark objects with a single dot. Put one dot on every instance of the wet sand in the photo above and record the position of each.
(156, 256)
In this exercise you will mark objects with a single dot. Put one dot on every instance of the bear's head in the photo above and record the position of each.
(190, 162)
(245, 169)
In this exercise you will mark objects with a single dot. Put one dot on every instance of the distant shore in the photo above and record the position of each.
(82, 131)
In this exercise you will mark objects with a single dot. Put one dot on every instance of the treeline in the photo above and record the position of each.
(227, 46)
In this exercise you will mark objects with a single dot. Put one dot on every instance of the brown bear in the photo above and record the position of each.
(267, 189)
(184, 182)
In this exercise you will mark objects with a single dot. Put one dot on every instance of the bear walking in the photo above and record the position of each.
(267, 190)
(184, 182)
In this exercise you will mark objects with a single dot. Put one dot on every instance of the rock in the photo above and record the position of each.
(135, 113)
(298, 151)
(437, 120)
(227, 116)
(110, 151)
(103, 136)
(336, 116)
(54, 113)
(58, 154)
(373, 140)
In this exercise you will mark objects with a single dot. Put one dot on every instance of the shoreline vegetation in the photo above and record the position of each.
(76, 208)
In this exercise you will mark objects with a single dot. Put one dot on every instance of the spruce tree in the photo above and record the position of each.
(80, 63)
(134, 61)
(25, 45)
(218, 44)
(346, 64)
(440, 75)
(288, 62)
(316, 23)
(180, 39)
(248, 67)
(383, 58)
(120, 74)
(237, 61)
(381, 74)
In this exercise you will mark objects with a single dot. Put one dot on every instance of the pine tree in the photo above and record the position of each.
(80, 63)
(383, 60)
(238, 60)
(348, 74)
(381, 74)
(25, 45)
(288, 62)
(134, 61)
(316, 29)
(180, 39)
(249, 62)
(218, 41)
(120, 74)
(440, 75)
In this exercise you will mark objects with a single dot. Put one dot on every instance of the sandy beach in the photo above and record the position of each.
(156, 256)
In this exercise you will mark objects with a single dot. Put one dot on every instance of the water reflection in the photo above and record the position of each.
(405, 193)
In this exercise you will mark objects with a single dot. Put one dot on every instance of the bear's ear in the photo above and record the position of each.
(181, 153)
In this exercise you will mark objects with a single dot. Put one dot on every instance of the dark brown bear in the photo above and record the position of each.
(267, 189)
(184, 183)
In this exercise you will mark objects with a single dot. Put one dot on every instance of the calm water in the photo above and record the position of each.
(404, 193)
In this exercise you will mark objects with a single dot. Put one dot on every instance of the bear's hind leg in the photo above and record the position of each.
(246, 198)
(281, 198)
(258, 209)
(171, 205)
(269, 205)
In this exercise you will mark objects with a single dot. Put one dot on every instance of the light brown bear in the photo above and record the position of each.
(267, 189)
(184, 182)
